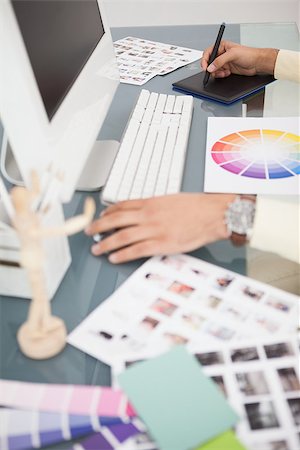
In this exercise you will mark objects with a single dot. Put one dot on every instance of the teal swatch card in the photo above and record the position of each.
(181, 407)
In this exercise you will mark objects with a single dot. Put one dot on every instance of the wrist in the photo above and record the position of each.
(266, 60)
(222, 229)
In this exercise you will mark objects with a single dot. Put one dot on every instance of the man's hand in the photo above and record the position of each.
(239, 59)
(160, 225)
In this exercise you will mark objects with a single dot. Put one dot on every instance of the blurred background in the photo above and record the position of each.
(122, 13)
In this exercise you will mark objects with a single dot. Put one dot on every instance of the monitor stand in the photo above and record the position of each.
(101, 158)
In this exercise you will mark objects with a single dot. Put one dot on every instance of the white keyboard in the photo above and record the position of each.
(151, 157)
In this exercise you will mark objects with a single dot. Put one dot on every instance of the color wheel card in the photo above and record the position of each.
(253, 155)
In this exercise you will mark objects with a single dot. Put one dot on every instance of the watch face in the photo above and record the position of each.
(239, 216)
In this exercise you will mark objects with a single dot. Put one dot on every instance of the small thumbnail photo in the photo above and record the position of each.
(210, 358)
(289, 379)
(251, 293)
(261, 415)
(164, 307)
(294, 404)
(198, 272)
(175, 339)
(182, 289)
(268, 325)
(221, 283)
(193, 320)
(252, 383)
(233, 313)
(272, 445)
(219, 380)
(219, 331)
(244, 354)
(177, 262)
(148, 324)
(279, 304)
(210, 301)
(278, 350)
(158, 279)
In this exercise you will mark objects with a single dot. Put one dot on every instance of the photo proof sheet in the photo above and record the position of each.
(260, 379)
(253, 155)
(180, 299)
(139, 60)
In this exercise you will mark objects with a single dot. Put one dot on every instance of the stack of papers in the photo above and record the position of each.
(139, 60)
(180, 405)
(241, 331)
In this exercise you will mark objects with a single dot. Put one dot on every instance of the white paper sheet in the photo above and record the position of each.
(139, 60)
(182, 300)
(253, 155)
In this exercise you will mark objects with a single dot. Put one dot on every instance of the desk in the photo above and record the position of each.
(90, 280)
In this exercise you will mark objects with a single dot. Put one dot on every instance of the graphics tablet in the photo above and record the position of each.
(225, 90)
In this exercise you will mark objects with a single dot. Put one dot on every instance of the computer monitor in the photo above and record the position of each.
(57, 79)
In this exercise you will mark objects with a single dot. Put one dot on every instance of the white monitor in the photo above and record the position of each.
(57, 79)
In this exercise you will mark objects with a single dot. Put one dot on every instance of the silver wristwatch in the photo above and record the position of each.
(239, 218)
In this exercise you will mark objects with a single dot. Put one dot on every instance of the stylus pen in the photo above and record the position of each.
(214, 52)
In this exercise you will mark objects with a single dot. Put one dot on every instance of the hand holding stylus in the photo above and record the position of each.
(239, 59)
(214, 52)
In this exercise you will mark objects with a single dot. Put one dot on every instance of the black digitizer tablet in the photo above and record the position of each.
(225, 90)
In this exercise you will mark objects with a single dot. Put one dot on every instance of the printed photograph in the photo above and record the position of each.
(278, 304)
(272, 445)
(268, 325)
(294, 404)
(137, 338)
(289, 379)
(163, 306)
(252, 383)
(222, 283)
(232, 313)
(193, 320)
(105, 334)
(219, 332)
(278, 350)
(261, 415)
(198, 272)
(210, 358)
(177, 262)
(175, 339)
(210, 301)
(148, 324)
(244, 354)
(219, 380)
(252, 293)
(181, 289)
(160, 280)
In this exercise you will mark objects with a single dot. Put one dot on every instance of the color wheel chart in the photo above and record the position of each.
(253, 155)
(259, 153)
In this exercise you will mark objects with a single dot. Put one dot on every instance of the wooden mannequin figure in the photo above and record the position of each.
(42, 335)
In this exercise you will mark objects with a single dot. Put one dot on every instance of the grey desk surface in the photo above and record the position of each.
(90, 280)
